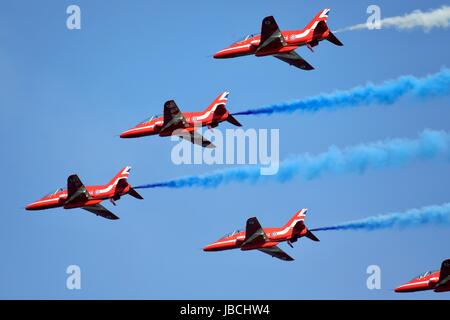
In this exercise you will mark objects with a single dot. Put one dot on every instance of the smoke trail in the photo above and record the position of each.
(434, 85)
(355, 159)
(410, 218)
(434, 18)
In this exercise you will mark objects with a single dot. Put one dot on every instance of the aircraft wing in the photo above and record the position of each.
(271, 36)
(173, 117)
(76, 189)
(100, 210)
(294, 59)
(276, 252)
(198, 139)
(444, 275)
(254, 232)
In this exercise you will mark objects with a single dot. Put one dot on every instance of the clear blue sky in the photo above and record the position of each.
(66, 95)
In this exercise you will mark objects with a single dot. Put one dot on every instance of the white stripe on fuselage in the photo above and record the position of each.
(146, 127)
(229, 241)
(49, 200)
(419, 282)
(123, 175)
(234, 48)
(208, 113)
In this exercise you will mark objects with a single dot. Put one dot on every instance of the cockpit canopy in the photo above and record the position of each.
(424, 274)
(246, 38)
(151, 118)
(231, 233)
(55, 192)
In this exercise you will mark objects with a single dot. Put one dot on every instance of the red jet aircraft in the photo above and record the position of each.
(439, 281)
(265, 240)
(184, 125)
(281, 44)
(88, 198)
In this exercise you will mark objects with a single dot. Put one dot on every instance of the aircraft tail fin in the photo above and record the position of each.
(322, 16)
(221, 100)
(299, 216)
(218, 109)
(299, 229)
(123, 174)
(120, 184)
(319, 25)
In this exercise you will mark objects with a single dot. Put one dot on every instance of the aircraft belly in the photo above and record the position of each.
(269, 52)
(87, 203)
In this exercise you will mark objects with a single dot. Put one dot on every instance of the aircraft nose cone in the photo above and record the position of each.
(219, 55)
(126, 134)
(400, 289)
(31, 206)
(209, 247)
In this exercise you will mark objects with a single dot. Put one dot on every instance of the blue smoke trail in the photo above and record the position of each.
(410, 218)
(356, 159)
(434, 85)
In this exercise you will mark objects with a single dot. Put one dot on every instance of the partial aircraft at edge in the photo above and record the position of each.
(265, 240)
(88, 198)
(281, 44)
(184, 124)
(439, 281)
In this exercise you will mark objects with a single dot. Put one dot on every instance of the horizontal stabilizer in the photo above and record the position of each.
(311, 236)
(233, 120)
(333, 39)
(135, 194)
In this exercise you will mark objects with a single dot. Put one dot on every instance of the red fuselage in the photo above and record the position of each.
(426, 282)
(273, 237)
(96, 194)
(210, 118)
(293, 39)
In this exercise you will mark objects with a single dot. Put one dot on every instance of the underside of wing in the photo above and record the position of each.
(76, 191)
(254, 233)
(100, 210)
(198, 139)
(173, 117)
(294, 59)
(271, 36)
(276, 252)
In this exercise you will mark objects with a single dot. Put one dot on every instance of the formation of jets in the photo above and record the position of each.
(271, 42)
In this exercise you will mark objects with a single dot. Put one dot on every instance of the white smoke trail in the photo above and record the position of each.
(434, 18)
(356, 159)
